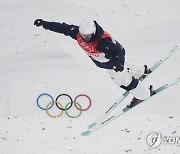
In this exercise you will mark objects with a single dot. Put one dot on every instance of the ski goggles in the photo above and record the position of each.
(86, 37)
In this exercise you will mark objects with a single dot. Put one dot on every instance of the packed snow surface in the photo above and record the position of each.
(35, 61)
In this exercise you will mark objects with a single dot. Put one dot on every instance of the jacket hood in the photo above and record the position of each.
(98, 34)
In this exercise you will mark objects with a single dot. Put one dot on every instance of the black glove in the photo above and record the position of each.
(118, 67)
(38, 22)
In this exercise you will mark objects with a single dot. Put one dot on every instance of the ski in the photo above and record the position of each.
(126, 109)
(126, 93)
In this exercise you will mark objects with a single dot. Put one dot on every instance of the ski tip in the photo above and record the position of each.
(92, 125)
(85, 133)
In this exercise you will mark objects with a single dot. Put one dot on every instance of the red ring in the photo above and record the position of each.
(86, 97)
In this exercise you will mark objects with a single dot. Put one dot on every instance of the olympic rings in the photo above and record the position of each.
(60, 106)
(81, 108)
(71, 103)
(52, 115)
(76, 115)
(45, 94)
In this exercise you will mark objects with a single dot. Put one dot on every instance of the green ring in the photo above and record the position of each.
(71, 115)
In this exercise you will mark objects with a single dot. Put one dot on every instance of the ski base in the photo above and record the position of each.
(95, 126)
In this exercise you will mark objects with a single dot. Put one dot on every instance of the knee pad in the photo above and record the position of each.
(133, 84)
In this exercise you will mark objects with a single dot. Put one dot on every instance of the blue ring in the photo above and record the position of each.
(46, 95)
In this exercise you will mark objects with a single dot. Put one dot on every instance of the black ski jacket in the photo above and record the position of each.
(112, 50)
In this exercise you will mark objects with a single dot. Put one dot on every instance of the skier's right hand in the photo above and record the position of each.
(38, 22)
(118, 68)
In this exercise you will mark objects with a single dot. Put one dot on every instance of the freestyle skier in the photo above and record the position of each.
(104, 51)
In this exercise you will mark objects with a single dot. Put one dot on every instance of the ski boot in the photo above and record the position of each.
(152, 92)
(146, 71)
(134, 102)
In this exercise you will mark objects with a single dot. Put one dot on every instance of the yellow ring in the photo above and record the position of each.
(52, 115)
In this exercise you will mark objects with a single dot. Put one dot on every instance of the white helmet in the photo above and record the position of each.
(87, 28)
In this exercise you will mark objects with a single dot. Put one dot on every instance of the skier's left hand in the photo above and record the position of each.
(38, 22)
(118, 67)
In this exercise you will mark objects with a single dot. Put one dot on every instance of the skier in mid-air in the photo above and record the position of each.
(104, 51)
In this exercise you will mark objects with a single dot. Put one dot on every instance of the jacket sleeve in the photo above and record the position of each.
(113, 51)
(63, 28)
(106, 65)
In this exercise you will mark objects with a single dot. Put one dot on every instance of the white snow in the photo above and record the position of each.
(35, 61)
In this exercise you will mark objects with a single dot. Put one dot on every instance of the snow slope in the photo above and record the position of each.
(34, 61)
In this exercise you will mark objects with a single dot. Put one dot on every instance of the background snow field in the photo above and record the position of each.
(35, 61)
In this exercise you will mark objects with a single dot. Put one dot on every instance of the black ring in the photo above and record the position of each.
(71, 103)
